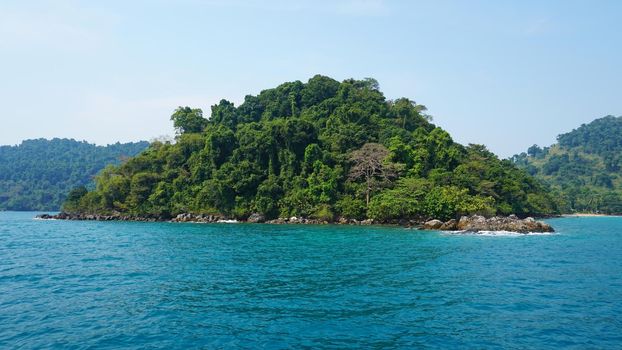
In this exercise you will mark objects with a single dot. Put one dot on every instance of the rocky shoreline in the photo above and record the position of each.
(473, 223)
(477, 223)
(204, 218)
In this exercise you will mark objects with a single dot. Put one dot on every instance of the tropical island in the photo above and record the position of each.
(320, 151)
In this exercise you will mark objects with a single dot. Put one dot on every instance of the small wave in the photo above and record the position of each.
(498, 233)
(227, 221)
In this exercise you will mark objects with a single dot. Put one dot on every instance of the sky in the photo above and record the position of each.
(506, 74)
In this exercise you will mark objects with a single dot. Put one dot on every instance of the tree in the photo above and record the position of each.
(534, 151)
(318, 89)
(188, 120)
(409, 112)
(224, 113)
(74, 197)
(370, 164)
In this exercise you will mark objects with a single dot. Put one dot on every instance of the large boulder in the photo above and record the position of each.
(433, 224)
(366, 222)
(449, 225)
(256, 218)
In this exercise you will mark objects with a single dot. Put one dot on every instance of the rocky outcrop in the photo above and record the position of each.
(477, 223)
(432, 224)
(256, 218)
(449, 225)
(186, 217)
(341, 221)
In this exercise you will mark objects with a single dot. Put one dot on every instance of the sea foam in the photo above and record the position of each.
(498, 233)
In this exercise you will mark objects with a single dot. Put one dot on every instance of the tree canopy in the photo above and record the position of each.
(583, 168)
(38, 174)
(186, 119)
(298, 150)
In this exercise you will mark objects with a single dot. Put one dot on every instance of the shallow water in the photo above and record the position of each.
(161, 285)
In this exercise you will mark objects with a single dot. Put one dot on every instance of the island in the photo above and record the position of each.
(323, 151)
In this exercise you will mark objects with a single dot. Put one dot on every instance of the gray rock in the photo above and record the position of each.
(511, 223)
(278, 221)
(256, 218)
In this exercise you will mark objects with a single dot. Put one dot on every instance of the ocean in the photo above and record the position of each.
(109, 285)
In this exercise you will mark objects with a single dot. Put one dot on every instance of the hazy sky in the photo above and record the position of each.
(505, 74)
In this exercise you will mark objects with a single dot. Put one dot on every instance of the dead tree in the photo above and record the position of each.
(371, 165)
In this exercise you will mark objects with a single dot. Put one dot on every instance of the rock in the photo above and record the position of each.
(367, 222)
(449, 225)
(278, 221)
(185, 217)
(433, 224)
(256, 218)
(471, 223)
(512, 223)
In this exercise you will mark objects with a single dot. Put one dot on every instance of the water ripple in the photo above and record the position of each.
(157, 285)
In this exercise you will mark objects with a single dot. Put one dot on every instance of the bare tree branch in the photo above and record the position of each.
(370, 164)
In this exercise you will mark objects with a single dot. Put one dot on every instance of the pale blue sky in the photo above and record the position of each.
(507, 74)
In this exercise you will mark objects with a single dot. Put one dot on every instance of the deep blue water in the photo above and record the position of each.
(176, 286)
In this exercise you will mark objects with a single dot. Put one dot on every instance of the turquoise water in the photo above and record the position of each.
(176, 286)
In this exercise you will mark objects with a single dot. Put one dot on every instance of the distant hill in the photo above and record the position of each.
(38, 174)
(584, 167)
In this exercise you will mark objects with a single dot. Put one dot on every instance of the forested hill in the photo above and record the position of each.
(322, 149)
(38, 174)
(584, 167)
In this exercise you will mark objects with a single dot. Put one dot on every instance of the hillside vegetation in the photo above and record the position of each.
(322, 149)
(584, 167)
(38, 174)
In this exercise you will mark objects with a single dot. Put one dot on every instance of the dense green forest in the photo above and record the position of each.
(38, 174)
(584, 168)
(321, 149)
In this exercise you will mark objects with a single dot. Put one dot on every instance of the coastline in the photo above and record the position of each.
(470, 223)
(216, 219)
